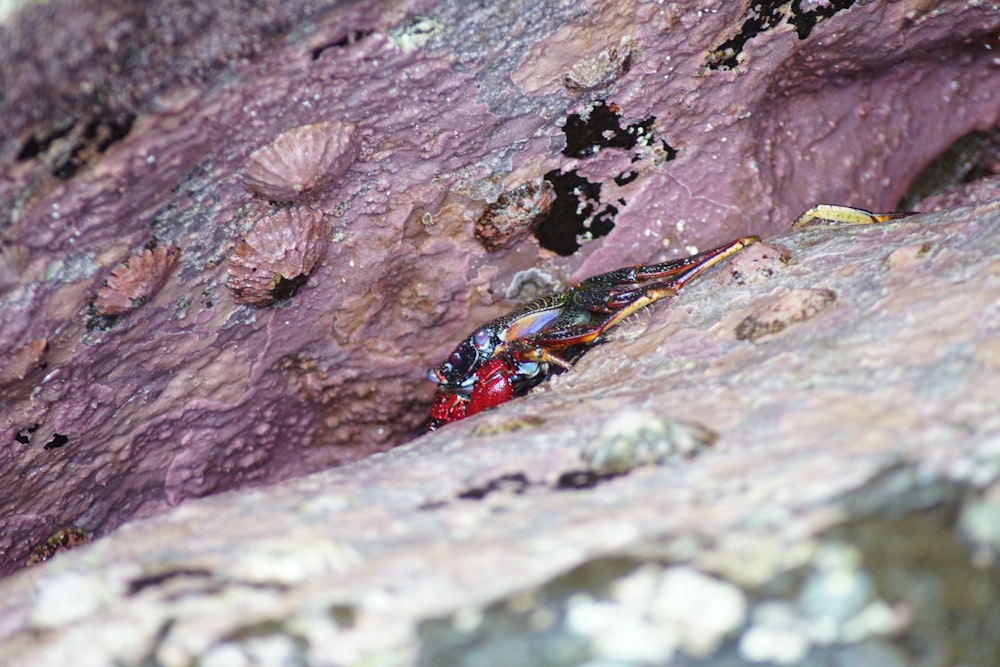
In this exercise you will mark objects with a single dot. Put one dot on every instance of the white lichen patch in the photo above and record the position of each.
(653, 612)
(414, 34)
(67, 597)
(701, 609)
(618, 632)
(634, 438)
(293, 560)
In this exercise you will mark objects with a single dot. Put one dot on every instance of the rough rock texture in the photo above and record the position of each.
(125, 125)
(830, 490)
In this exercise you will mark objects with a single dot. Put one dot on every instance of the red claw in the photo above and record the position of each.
(447, 407)
(493, 385)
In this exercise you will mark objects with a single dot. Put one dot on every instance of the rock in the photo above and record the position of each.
(681, 128)
(836, 437)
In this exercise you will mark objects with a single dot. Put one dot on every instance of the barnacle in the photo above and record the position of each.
(600, 70)
(136, 280)
(514, 214)
(301, 160)
(276, 257)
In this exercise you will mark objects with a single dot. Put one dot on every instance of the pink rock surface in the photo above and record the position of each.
(194, 393)
(734, 457)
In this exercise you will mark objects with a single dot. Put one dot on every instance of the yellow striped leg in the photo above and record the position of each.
(847, 215)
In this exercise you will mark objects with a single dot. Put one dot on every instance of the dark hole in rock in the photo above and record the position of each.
(98, 135)
(574, 214)
(761, 16)
(69, 166)
(57, 441)
(513, 483)
(153, 580)
(286, 288)
(757, 17)
(805, 21)
(350, 38)
(578, 480)
(601, 129)
(626, 177)
(114, 130)
(24, 435)
(974, 156)
(577, 215)
(37, 144)
(669, 152)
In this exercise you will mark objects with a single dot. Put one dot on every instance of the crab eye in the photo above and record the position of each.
(458, 367)
(456, 360)
(481, 339)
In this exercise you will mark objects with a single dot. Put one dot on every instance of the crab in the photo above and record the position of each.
(508, 356)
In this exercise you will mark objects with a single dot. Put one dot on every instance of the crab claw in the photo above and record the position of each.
(447, 407)
(493, 385)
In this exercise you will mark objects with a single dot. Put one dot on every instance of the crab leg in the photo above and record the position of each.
(847, 215)
(599, 294)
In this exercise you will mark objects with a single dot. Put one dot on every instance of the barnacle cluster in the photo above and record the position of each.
(136, 280)
(514, 214)
(277, 255)
(301, 160)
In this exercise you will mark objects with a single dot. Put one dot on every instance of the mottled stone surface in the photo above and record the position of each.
(128, 124)
(836, 513)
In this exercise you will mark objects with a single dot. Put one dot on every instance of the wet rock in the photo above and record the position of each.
(841, 514)
(735, 128)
